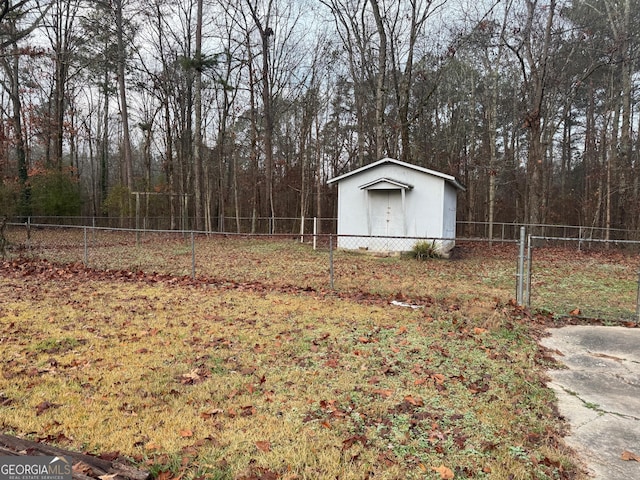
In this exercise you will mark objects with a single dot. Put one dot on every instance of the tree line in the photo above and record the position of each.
(224, 112)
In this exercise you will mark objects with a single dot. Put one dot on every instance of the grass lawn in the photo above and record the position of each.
(282, 379)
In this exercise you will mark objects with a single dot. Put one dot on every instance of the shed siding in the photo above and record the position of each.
(415, 204)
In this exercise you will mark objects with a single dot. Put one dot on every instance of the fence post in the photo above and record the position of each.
(193, 255)
(638, 301)
(85, 259)
(331, 260)
(28, 227)
(580, 239)
(315, 232)
(520, 275)
(529, 262)
(302, 229)
(137, 219)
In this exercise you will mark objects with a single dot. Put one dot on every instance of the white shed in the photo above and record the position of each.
(390, 198)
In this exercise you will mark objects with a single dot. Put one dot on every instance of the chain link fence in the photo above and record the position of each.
(305, 261)
(562, 276)
(577, 277)
(583, 235)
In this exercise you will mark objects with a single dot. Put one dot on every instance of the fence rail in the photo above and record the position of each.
(502, 231)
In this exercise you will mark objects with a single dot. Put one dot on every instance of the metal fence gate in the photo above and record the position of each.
(588, 281)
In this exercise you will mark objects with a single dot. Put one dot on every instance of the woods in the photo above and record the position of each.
(222, 114)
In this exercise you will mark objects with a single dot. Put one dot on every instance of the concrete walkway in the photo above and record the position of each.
(599, 394)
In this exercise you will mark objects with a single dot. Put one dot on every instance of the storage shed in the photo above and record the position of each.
(390, 198)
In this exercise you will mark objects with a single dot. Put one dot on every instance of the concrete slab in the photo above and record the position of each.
(599, 394)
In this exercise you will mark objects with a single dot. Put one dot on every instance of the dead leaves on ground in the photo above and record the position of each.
(393, 383)
(264, 446)
(445, 473)
(630, 456)
(44, 406)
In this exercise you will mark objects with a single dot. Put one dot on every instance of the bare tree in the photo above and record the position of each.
(381, 80)
(127, 155)
(353, 28)
(533, 50)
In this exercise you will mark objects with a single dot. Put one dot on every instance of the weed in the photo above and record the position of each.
(592, 406)
(425, 250)
(56, 345)
(519, 452)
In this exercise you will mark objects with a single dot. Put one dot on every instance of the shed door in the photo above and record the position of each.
(387, 216)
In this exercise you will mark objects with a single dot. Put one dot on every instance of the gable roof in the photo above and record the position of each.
(385, 182)
(447, 178)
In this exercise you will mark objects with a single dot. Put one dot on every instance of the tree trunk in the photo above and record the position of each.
(266, 32)
(198, 181)
(11, 66)
(127, 156)
(380, 84)
(537, 81)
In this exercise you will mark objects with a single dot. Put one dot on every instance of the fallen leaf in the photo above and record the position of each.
(575, 312)
(628, 456)
(479, 330)
(108, 476)
(43, 406)
(166, 475)
(152, 446)
(415, 401)
(331, 363)
(109, 456)
(82, 468)
(348, 443)
(186, 433)
(211, 413)
(445, 473)
(190, 378)
(248, 410)
(460, 441)
(477, 387)
(264, 446)
(384, 392)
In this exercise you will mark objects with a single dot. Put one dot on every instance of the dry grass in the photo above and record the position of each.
(244, 381)
(598, 284)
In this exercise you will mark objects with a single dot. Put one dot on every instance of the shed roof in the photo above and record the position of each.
(447, 178)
